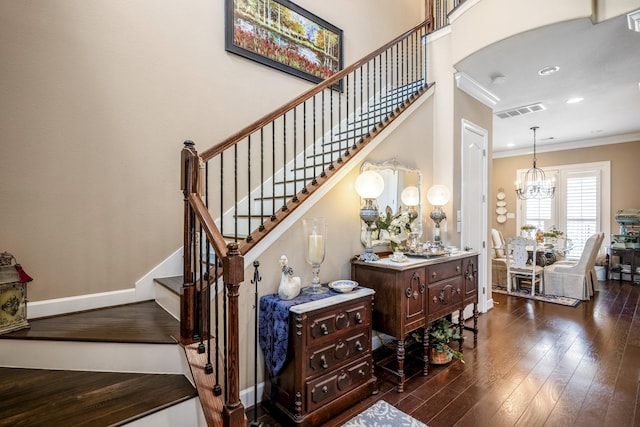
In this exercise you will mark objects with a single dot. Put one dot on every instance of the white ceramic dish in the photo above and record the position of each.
(501, 219)
(343, 286)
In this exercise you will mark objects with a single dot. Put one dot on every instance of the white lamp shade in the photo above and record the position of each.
(369, 184)
(410, 196)
(438, 195)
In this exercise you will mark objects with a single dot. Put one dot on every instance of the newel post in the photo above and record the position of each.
(188, 185)
(233, 271)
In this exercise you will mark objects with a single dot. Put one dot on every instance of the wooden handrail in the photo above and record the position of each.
(260, 123)
(208, 225)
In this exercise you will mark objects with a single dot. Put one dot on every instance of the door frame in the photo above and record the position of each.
(484, 300)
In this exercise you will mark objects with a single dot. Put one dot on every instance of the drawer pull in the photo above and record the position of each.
(359, 346)
(458, 268)
(434, 274)
(361, 372)
(325, 389)
(358, 317)
(324, 329)
(323, 362)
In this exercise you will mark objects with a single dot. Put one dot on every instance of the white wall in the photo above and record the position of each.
(97, 98)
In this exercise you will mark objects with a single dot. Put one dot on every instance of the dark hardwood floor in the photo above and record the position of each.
(40, 397)
(536, 364)
(141, 322)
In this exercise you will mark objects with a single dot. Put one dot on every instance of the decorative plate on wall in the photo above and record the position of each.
(501, 203)
(501, 195)
(501, 219)
(501, 210)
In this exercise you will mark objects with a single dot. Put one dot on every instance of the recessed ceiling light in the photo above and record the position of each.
(574, 100)
(511, 144)
(545, 71)
(498, 79)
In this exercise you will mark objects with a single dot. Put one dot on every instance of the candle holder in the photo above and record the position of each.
(315, 236)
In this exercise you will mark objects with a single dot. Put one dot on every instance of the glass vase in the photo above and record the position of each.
(315, 237)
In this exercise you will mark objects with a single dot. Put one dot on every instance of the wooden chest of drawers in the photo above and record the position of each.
(410, 296)
(329, 363)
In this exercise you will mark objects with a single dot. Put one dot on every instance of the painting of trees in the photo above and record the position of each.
(281, 34)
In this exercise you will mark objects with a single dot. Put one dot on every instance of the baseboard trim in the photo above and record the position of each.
(54, 307)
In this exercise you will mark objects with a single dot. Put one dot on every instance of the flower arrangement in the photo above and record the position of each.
(528, 227)
(553, 232)
(396, 225)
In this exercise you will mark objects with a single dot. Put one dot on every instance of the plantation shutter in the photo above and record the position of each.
(582, 208)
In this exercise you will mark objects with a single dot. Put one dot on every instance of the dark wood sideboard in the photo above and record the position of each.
(411, 295)
(329, 363)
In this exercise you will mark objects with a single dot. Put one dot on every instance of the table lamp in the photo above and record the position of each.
(369, 186)
(438, 196)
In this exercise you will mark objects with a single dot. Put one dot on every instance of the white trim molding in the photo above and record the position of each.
(475, 89)
(633, 20)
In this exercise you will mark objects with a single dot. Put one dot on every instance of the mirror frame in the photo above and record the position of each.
(395, 166)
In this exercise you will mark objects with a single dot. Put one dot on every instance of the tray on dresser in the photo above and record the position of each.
(427, 255)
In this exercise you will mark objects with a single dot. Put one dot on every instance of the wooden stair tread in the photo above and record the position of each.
(143, 322)
(38, 397)
(173, 283)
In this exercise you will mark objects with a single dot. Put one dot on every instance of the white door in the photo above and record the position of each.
(473, 221)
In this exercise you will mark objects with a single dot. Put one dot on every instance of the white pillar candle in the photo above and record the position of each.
(316, 248)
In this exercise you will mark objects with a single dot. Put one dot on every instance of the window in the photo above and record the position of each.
(580, 208)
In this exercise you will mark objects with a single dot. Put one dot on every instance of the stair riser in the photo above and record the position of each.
(93, 356)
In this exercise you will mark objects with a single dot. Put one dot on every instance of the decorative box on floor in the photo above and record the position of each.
(13, 294)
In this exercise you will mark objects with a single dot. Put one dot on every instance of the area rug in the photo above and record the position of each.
(524, 293)
(383, 415)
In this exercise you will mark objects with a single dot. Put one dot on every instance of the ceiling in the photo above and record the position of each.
(600, 63)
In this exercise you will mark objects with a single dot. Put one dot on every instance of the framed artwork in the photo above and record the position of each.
(282, 35)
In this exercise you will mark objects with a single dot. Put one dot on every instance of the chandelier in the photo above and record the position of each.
(535, 185)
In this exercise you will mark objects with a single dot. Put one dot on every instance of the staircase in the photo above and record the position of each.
(240, 190)
(109, 367)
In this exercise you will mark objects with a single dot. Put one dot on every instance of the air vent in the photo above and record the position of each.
(520, 111)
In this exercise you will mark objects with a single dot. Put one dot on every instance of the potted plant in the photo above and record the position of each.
(441, 333)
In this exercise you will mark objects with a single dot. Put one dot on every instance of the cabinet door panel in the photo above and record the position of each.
(414, 289)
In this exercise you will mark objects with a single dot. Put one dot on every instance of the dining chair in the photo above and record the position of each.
(575, 279)
(521, 265)
(499, 260)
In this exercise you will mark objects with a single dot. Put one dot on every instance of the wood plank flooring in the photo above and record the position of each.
(142, 322)
(536, 364)
(38, 397)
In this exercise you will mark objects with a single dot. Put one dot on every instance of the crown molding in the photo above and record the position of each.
(475, 89)
(571, 145)
(633, 19)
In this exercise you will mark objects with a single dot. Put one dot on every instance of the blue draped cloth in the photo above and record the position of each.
(274, 327)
